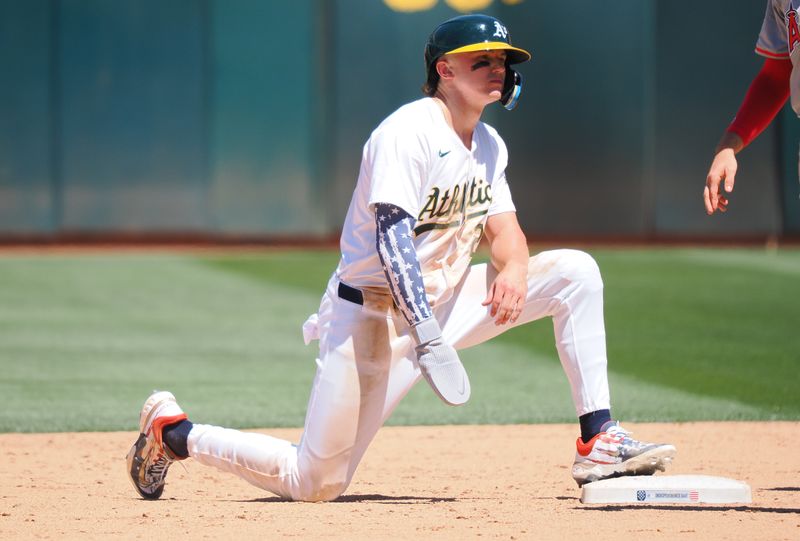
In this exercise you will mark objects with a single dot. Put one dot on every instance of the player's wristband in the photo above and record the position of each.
(426, 331)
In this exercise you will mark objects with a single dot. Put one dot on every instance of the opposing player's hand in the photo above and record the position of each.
(722, 173)
(507, 294)
(720, 176)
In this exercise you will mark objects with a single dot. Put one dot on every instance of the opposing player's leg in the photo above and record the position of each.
(565, 285)
(364, 369)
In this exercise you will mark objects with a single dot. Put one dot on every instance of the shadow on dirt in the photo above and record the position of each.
(356, 498)
(704, 508)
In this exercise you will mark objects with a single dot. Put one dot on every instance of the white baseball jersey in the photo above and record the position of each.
(779, 39)
(367, 361)
(415, 160)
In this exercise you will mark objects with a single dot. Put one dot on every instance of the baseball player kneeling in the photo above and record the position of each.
(405, 297)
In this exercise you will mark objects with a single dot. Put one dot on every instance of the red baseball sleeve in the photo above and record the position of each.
(765, 97)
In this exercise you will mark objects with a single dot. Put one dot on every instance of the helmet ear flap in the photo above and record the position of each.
(512, 88)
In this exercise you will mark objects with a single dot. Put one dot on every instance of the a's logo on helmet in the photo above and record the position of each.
(500, 30)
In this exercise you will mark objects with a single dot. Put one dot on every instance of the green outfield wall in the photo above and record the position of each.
(247, 117)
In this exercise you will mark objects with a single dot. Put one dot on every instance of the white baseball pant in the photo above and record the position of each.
(367, 364)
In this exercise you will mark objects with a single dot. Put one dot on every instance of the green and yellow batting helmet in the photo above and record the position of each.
(468, 33)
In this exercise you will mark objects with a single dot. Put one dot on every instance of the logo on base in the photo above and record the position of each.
(668, 496)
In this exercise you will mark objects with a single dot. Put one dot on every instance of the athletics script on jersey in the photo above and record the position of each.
(452, 222)
(443, 209)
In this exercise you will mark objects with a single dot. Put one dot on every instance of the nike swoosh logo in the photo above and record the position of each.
(443, 154)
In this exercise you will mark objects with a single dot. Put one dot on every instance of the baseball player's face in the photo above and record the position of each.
(480, 74)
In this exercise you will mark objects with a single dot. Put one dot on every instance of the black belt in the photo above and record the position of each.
(350, 294)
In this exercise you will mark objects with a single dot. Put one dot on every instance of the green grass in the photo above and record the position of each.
(693, 334)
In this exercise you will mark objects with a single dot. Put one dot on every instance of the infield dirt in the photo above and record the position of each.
(448, 483)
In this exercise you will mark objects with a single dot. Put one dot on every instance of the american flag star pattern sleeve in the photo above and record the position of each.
(395, 245)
